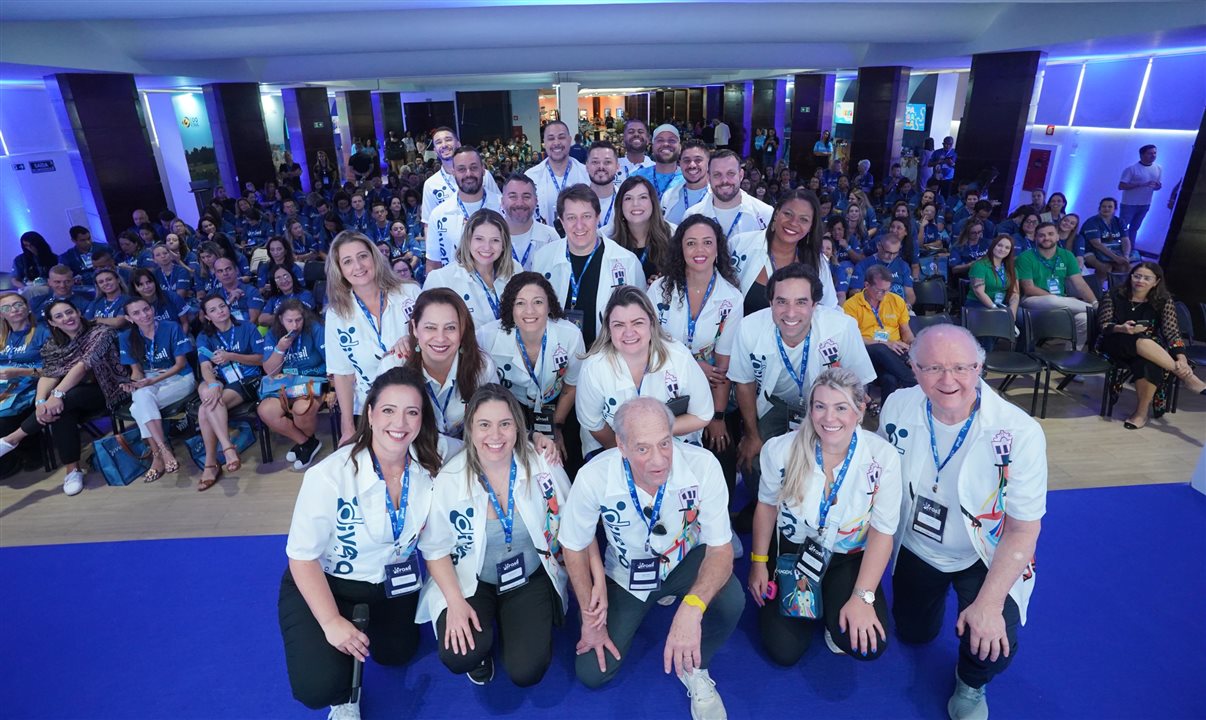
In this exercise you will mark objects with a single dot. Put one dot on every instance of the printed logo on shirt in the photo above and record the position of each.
(895, 435)
(759, 364)
(1002, 445)
(829, 351)
(617, 273)
(613, 520)
(347, 518)
(688, 496)
(462, 525)
(788, 522)
(671, 385)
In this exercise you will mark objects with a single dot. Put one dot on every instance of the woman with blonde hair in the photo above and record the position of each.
(21, 341)
(482, 266)
(368, 310)
(829, 497)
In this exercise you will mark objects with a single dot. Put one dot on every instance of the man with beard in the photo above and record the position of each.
(442, 185)
(734, 210)
(449, 217)
(556, 172)
(527, 235)
(601, 163)
(636, 142)
(693, 165)
(665, 173)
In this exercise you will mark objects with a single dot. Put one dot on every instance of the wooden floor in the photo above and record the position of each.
(1083, 450)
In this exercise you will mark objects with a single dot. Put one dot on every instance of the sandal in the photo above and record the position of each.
(233, 465)
(153, 474)
(206, 483)
(170, 463)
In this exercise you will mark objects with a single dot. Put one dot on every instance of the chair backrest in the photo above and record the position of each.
(1185, 321)
(917, 323)
(931, 293)
(989, 323)
(320, 295)
(1055, 324)
(314, 272)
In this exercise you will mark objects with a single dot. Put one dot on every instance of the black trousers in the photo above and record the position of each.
(12, 462)
(525, 617)
(79, 403)
(919, 602)
(786, 639)
(892, 368)
(321, 675)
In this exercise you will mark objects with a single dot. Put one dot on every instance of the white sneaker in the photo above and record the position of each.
(829, 643)
(347, 711)
(967, 703)
(73, 484)
(668, 600)
(705, 701)
(5, 448)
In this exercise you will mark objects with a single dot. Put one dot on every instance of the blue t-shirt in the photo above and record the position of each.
(244, 339)
(177, 279)
(1109, 233)
(902, 274)
(965, 254)
(171, 308)
(359, 223)
(306, 356)
(264, 268)
(81, 263)
(661, 182)
(102, 308)
(256, 234)
(23, 349)
(990, 229)
(143, 260)
(378, 234)
(161, 351)
(273, 303)
(77, 298)
(241, 310)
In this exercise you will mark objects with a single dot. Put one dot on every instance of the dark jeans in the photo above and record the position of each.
(11, 463)
(892, 368)
(525, 617)
(786, 639)
(919, 602)
(625, 612)
(319, 674)
(79, 403)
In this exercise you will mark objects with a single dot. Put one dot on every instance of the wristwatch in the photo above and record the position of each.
(57, 393)
(867, 596)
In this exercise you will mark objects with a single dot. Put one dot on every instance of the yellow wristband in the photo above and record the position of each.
(759, 558)
(694, 601)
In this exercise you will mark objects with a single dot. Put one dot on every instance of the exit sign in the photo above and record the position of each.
(319, 124)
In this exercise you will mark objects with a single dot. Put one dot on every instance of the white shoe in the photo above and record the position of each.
(829, 643)
(73, 484)
(668, 600)
(705, 701)
(967, 703)
(347, 711)
(5, 448)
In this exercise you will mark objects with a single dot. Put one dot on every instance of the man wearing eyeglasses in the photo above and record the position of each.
(976, 468)
(883, 321)
(664, 508)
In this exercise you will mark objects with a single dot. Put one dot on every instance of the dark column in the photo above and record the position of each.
(308, 116)
(695, 105)
(387, 115)
(360, 115)
(103, 122)
(811, 114)
(879, 116)
(1000, 90)
(713, 101)
(734, 115)
(240, 136)
(1184, 254)
(642, 107)
(679, 112)
(484, 115)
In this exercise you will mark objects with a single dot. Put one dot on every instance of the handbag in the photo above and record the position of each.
(292, 387)
(17, 396)
(121, 458)
(799, 596)
(241, 437)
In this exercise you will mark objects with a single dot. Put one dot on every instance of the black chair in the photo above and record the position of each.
(315, 271)
(247, 413)
(917, 323)
(931, 295)
(1195, 353)
(1060, 326)
(50, 459)
(996, 325)
(320, 295)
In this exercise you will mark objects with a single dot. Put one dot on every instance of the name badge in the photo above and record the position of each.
(643, 575)
(230, 373)
(402, 578)
(577, 317)
(512, 573)
(1053, 286)
(237, 313)
(998, 298)
(542, 422)
(880, 336)
(813, 560)
(929, 519)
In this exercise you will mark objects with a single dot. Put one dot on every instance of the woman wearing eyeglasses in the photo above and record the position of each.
(1140, 330)
(21, 341)
(828, 507)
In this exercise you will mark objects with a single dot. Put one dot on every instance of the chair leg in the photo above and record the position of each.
(1064, 382)
(1005, 382)
(265, 441)
(1034, 394)
(1046, 391)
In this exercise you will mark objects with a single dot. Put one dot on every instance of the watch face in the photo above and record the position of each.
(868, 597)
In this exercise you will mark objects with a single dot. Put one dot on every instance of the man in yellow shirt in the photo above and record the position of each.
(883, 320)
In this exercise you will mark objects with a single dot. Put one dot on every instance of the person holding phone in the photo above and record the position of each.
(295, 349)
(1139, 328)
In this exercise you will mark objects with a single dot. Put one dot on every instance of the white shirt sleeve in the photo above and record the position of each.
(1027, 498)
(770, 461)
(438, 538)
(313, 523)
(856, 358)
(696, 384)
(581, 514)
(337, 357)
(885, 513)
(715, 529)
(588, 403)
(728, 335)
(741, 370)
(573, 365)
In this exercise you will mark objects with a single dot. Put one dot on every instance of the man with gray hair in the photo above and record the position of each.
(976, 468)
(664, 508)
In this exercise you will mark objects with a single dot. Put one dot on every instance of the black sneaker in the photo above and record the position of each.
(483, 673)
(293, 453)
(306, 452)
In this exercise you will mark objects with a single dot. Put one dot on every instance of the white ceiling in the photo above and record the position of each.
(486, 44)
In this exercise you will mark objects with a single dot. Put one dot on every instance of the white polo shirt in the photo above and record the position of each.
(472, 289)
(695, 511)
(550, 185)
(448, 222)
(869, 496)
(441, 186)
(835, 341)
(559, 365)
(716, 326)
(525, 245)
(340, 518)
(751, 214)
(448, 399)
(605, 384)
(352, 346)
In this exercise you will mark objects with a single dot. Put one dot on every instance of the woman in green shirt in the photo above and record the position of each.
(994, 284)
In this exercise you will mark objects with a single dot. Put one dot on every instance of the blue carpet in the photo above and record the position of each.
(187, 629)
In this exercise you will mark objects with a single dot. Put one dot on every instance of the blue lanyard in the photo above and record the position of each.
(373, 323)
(523, 263)
(564, 178)
(444, 176)
(443, 408)
(508, 520)
(875, 312)
(838, 479)
(1001, 274)
(649, 520)
(576, 282)
(397, 516)
(735, 221)
(151, 351)
(798, 379)
(228, 345)
(929, 418)
(662, 190)
(693, 318)
(108, 310)
(465, 210)
(607, 218)
(491, 296)
(531, 366)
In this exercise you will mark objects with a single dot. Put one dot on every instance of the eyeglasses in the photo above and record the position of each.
(12, 307)
(1144, 278)
(959, 369)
